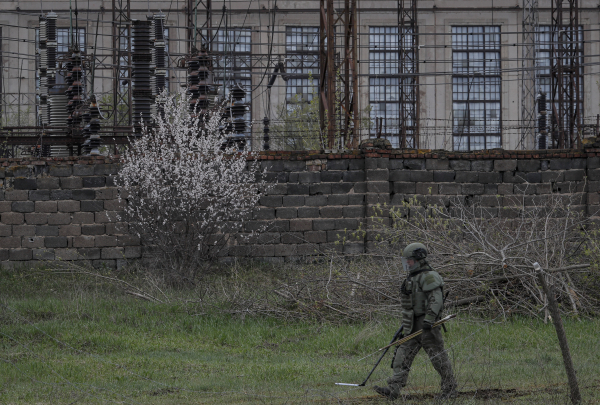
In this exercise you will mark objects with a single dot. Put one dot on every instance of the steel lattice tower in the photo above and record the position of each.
(529, 76)
(122, 97)
(408, 69)
(204, 31)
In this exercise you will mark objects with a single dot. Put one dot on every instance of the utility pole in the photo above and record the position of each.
(529, 76)
(408, 72)
(565, 75)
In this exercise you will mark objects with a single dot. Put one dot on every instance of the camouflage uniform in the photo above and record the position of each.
(422, 301)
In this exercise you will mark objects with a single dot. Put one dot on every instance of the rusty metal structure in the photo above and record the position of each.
(566, 74)
(338, 79)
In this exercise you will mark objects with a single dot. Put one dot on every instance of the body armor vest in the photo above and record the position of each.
(414, 297)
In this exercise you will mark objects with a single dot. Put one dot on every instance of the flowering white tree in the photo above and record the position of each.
(187, 193)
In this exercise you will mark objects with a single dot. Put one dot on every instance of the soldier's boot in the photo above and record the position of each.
(447, 394)
(386, 392)
(448, 390)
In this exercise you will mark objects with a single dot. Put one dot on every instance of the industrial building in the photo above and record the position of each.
(78, 77)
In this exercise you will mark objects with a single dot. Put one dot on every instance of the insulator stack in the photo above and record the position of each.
(75, 90)
(159, 79)
(51, 44)
(57, 100)
(542, 127)
(141, 59)
(200, 82)
(266, 137)
(235, 122)
(90, 132)
(42, 73)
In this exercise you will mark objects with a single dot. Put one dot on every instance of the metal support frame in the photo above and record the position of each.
(327, 71)
(565, 75)
(338, 105)
(529, 76)
(408, 70)
(122, 97)
(205, 30)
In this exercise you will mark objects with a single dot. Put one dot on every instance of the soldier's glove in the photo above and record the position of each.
(405, 290)
(428, 323)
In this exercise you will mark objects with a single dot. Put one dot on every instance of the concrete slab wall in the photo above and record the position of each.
(68, 208)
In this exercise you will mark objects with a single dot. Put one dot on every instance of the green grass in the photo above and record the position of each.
(70, 341)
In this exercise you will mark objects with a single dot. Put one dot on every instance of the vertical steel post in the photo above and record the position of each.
(529, 76)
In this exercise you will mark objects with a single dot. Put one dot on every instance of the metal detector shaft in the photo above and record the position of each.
(396, 336)
(417, 333)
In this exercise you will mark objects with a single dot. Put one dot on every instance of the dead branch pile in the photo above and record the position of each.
(486, 254)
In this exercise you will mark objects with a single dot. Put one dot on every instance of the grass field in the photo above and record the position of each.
(72, 341)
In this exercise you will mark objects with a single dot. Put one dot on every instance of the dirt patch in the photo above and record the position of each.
(164, 391)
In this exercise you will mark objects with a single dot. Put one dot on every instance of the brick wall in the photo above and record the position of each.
(67, 208)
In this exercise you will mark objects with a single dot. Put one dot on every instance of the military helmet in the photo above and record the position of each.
(416, 251)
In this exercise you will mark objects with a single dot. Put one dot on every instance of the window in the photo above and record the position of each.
(302, 63)
(385, 86)
(476, 86)
(233, 63)
(544, 39)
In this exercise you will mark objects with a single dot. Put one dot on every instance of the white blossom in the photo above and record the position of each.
(187, 193)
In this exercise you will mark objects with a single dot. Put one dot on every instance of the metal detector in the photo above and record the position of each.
(397, 335)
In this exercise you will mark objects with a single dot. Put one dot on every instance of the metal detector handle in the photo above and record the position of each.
(397, 335)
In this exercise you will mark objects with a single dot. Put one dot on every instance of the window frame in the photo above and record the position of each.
(480, 47)
(391, 82)
(306, 74)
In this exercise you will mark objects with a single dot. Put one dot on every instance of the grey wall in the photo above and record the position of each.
(67, 208)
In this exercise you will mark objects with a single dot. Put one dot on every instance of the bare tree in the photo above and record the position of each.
(187, 192)
(486, 247)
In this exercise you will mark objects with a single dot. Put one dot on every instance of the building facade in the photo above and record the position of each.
(453, 81)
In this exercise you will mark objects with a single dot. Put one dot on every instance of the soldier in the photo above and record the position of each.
(422, 304)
